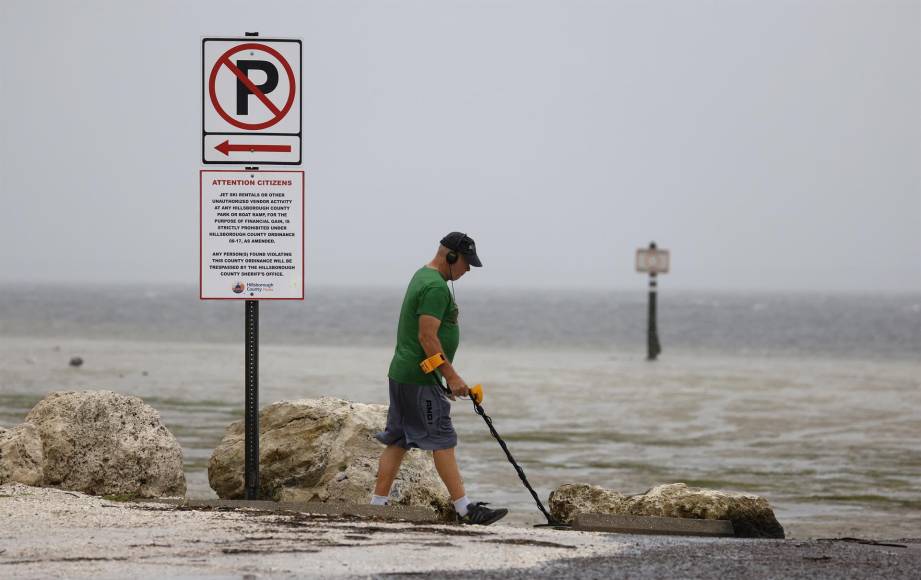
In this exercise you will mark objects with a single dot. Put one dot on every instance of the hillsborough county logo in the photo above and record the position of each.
(239, 287)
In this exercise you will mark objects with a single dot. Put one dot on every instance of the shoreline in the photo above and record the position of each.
(53, 533)
(579, 354)
(197, 391)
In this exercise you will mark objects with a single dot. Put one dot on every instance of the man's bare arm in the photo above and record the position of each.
(428, 338)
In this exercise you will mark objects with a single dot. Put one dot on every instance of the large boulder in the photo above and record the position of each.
(751, 515)
(21, 455)
(103, 443)
(322, 450)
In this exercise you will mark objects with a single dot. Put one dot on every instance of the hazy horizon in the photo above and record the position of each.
(641, 288)
(770, 146)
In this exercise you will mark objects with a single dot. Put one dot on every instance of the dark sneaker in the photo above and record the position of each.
(479, 514)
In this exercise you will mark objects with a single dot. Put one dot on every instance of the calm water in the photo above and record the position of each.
(838, 325)
(811, 400)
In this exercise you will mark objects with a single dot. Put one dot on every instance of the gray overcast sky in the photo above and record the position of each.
(768, 144)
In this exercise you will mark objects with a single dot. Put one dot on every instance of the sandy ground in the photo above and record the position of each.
(48, 533)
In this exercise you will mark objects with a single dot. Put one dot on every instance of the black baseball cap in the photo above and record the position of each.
(464, 245)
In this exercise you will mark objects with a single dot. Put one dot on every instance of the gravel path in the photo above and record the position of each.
(59, 534)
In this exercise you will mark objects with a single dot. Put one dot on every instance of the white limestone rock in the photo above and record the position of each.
(323, 450)
(751, 515)
(106, 443)
(21, 455)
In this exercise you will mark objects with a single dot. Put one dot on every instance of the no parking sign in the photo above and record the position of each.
(251, 101)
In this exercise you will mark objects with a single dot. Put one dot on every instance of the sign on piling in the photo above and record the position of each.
(654, 261)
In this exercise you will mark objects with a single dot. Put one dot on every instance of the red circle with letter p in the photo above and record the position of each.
(248, 94)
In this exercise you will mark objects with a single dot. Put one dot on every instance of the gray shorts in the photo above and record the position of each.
(419, 416)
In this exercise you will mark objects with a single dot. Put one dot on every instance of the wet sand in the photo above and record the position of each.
(53, 533)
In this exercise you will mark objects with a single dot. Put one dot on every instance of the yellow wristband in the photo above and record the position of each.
(432, 363)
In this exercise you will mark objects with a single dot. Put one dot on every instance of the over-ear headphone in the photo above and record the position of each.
(463, 244)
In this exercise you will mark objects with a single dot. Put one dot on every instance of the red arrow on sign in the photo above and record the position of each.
(226, 148)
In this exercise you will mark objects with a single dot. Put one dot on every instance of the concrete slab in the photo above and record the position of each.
(652, 525)
(382, 512)
(378, 512)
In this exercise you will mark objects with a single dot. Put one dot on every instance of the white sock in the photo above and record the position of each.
(460, 506)
(379, 499)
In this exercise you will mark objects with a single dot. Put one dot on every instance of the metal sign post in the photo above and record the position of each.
(653, 347)
(251, 421)
(653, 261)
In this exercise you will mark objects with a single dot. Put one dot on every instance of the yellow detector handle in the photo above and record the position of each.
(432, 363)
(476, 393)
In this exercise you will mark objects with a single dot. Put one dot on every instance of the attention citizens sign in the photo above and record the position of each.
(252, 235)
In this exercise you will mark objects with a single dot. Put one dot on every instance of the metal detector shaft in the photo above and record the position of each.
(524, 479)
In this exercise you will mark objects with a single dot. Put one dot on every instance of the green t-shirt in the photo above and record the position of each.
(427, 294)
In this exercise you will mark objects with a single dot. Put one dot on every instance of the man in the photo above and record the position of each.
(420, 414)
